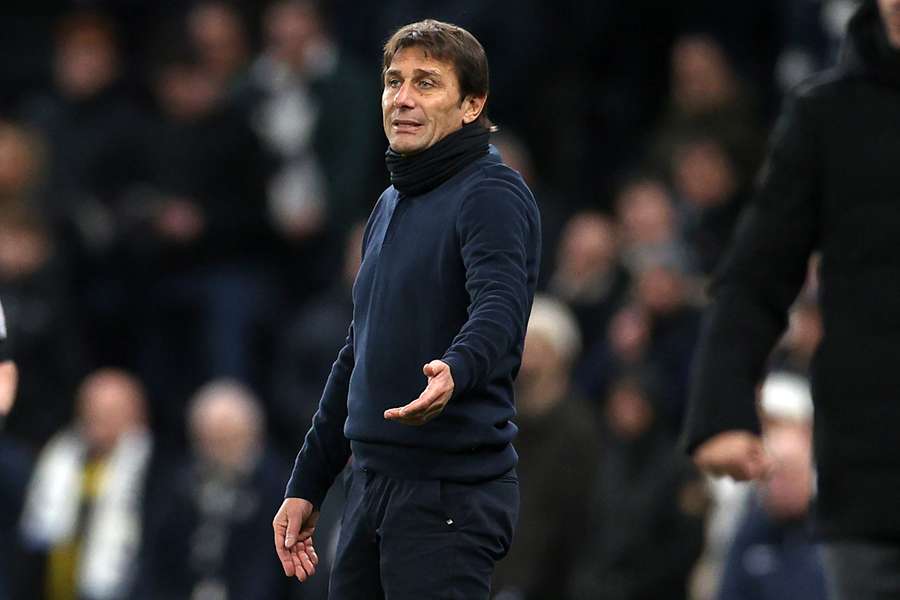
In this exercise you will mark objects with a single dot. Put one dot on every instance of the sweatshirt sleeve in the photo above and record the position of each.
(497, 227)
(325, 450)
(758, 280)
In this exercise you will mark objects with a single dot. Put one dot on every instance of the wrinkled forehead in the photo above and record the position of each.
(416, 57)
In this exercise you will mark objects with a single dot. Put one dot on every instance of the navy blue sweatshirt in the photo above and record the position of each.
(449, 274)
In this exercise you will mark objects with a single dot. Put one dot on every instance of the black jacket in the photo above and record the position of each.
(831, 183)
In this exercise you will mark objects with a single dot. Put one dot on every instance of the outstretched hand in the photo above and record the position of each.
(431, 401)
(294, 525)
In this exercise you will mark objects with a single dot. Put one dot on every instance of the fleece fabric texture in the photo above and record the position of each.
(449, 274)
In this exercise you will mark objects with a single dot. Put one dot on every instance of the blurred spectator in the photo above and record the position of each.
(83, 514)
(653, 334)
(711, 193)
(708, 98)
(663, 290)
(211, 539)
(774, 555)
(308, 346)
(646, 526)
(220, 36)
(307, 101)
(42, 335)
(795, 351)
(648, 222)
(206, 240)
(588, 275)
(92, 132)
(558, 457)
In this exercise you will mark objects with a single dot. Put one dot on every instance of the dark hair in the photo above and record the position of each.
(87, 25)
(450, 43)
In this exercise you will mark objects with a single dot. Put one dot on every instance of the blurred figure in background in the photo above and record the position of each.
(210, 536)
(648, 223)
(708, 97)
(795, 351)
(43, 334)
(588, 276)
(204, 249)
(220, 36)
(92, 133)
(82, 523)
(647, 513)
(307, 101)
(654, 334)
(774, 555)
(710, 191)
(558, 457)
(663, 289)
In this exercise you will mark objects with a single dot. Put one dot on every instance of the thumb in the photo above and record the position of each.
(433, 368)
(294, 523)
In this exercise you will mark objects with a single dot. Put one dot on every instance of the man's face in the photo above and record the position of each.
(890, 14)
(421, 102)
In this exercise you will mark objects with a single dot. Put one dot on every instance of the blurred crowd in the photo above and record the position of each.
(182, 192)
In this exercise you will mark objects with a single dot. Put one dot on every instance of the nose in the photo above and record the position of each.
(404, 98)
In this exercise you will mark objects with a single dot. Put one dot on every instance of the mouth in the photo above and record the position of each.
(405, 126)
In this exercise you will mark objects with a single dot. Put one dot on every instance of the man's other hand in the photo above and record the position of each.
(431, 401)
(294, 525)
(737, 454)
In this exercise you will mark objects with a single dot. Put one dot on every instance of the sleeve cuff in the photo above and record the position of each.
(462, 375)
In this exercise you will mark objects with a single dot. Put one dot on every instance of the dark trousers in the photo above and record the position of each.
(861, 570)
(422, 539)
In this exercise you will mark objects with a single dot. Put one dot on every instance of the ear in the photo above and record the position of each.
(473, 106)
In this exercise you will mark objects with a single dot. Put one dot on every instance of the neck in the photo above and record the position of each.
(419, 173)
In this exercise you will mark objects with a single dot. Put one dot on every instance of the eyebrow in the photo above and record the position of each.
(417, 73)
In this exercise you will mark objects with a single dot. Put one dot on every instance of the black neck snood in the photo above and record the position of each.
(419, 173)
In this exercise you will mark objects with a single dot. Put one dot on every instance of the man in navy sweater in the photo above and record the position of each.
(449, 266)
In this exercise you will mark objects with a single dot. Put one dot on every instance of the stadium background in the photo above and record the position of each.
(182, 187)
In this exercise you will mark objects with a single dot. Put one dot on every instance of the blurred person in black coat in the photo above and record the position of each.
(91, 131)
(558, 456)
(829, 184)
(647, 515)
(202, 259)
(209, 535)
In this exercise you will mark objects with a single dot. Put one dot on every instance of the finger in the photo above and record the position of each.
(411, 410)
(297, 556)
(311, 552)
(284, 555)
(306, 563)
